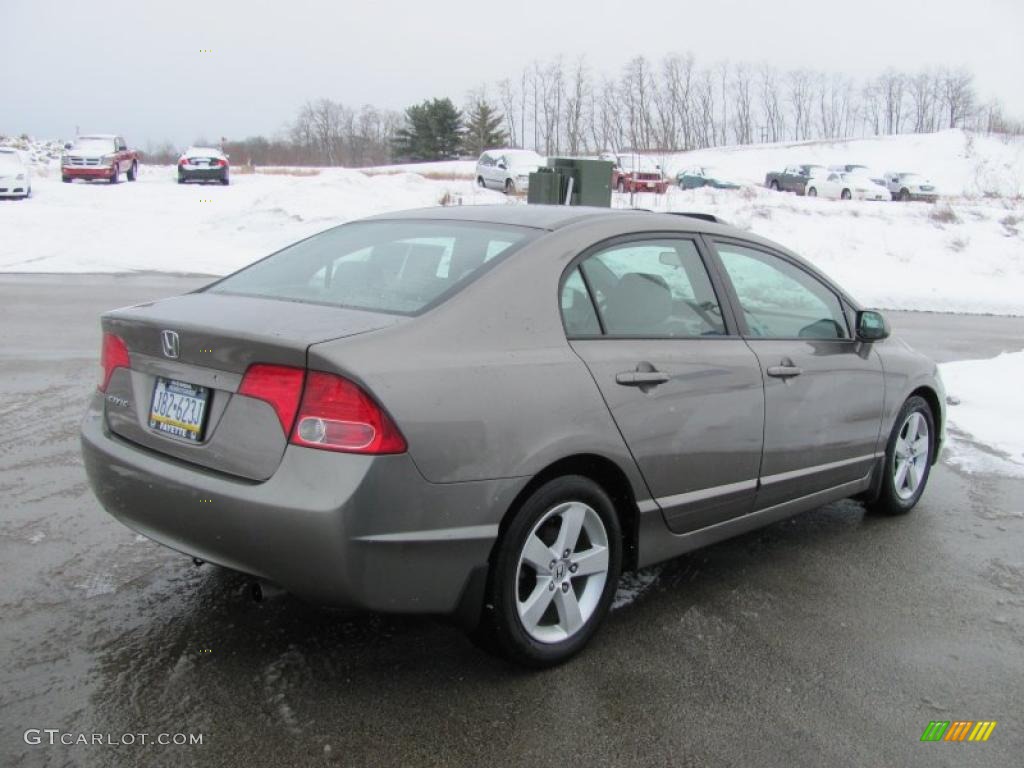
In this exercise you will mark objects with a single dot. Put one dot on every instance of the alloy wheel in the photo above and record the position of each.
(910, 457)
(562, 571)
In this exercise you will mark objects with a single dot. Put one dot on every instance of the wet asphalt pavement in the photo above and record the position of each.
(828, 640)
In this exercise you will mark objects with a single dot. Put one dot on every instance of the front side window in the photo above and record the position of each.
(780, 300)
(653, 288)
(382, 266)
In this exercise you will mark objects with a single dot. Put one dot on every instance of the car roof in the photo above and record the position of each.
(552, 217)
(98, 136)
(212, 150)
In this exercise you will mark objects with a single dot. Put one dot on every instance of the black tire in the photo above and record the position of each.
(905, 195)
(65, 179)
(775, 186)
(133, 172)
(622, 186)
(890, 501)
(812, 192)
(845, 194)
(510, 187)
(181, 179)
(225, 180)
(115, 177)
(501, 629)
(480, 182)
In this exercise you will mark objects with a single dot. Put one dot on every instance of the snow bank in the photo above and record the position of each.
(985, 421)
(157, 224)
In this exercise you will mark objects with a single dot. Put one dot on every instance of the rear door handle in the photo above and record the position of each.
(641, 378)
(784, 371)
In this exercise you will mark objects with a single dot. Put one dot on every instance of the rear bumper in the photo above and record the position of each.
(640, 185)
(99, 172)
(339, 529)
(202, 174)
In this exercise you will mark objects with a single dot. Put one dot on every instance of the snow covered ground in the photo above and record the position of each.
(985, 423)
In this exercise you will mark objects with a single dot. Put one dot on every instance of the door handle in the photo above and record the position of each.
(641, 378)
(784, 371)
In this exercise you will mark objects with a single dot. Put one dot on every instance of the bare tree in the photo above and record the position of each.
(956, 89)
(923, 91)
(508, 97)
(577, 97)
(771, 104)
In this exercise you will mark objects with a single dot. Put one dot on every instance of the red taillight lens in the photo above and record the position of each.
(183, 161)
(337, 415)
(222, 163)
(113, 354)
(279, 385)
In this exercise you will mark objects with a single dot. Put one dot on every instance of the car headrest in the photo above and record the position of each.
(639, 303)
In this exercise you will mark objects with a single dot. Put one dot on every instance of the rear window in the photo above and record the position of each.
(399, 267)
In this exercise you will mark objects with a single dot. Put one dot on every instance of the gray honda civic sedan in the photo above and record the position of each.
(491, 412)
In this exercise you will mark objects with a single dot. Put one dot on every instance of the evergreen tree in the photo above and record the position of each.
(482, 129)
(433, 131)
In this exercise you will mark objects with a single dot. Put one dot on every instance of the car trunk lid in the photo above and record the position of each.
(199, 346)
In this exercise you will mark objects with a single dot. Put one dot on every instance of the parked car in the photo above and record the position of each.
(15, 174)
(490, 412)
(100, 156)
(702, 176)
(507, 169)
(632, 172)
(910, 186)
(793, 179)
(203, 164)
(846, 186)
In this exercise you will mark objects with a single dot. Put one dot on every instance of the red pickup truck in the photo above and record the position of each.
(100, 156)
(635, 173)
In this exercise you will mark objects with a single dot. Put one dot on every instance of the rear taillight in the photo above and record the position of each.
(222, 163)
(113, 355)
(183, 161)
(278, 385)
(336, 415)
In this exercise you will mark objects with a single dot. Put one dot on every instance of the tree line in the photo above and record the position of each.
(671, 104)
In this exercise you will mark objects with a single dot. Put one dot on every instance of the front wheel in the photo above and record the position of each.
(133, 172)
(116, 175)
(812, 192)
(480, 182)
(775, 186)
(904, 195)
(510, 187)
(65, 179)
(908, 459)
(554, 573)
(846, 194)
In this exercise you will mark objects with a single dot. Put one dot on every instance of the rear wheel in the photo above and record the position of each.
(510, 187)
(775, 186)
(812, 192)
(480, 181)
(65, 179)
(908, 459)
(845, 194)
(224, 180)
(133, 172)
(554, 573)
(905, 195)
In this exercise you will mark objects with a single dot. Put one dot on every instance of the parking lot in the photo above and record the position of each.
(831, 639)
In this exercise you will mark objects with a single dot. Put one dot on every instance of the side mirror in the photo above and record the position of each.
(871, 326)
(502, 165)
(67, 145)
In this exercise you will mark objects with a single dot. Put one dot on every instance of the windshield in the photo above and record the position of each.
(911, 177)
(9, 160)
(399, 267)
(99, 145)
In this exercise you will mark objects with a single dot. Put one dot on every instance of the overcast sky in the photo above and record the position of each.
(135, 67)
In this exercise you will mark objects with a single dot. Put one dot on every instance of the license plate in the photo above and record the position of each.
(178, 409)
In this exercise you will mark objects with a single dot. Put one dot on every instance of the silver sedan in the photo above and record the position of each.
(491, 412)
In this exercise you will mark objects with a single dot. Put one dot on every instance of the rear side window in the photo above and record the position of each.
(399, 267)
(577, 309)
(653, 288)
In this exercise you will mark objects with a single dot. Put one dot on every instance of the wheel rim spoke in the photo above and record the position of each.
(910, 455)
(538, 555)
(536, 604)
(572, 524)
(901, 473)
(570, 618)
(593, 560)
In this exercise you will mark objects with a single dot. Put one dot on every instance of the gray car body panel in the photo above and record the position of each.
(489, 392)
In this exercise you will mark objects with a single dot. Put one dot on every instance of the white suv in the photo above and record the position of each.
(507, 169)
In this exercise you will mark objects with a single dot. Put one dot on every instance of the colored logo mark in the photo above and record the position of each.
(958, 730)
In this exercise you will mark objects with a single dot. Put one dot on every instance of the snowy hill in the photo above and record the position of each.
(965, 254)
(960, 163)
